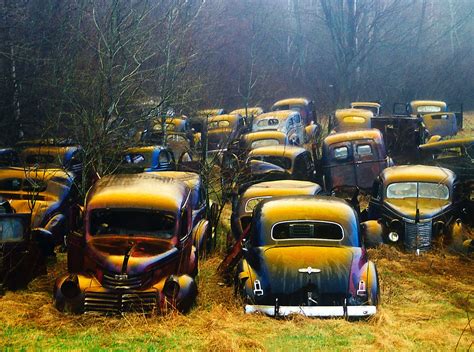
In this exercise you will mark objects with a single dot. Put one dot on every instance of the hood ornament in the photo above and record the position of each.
(309, 270)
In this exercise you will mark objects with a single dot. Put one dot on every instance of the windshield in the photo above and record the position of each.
(25, 185)
(428, 109)
(275, 160)
(264, 143)
(270, 123)
(132, 222)
(402, 190)
(218, 124)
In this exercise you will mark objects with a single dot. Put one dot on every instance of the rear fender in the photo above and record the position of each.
(200, 233)
(369, 276)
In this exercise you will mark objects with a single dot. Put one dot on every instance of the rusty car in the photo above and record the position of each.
(350, 119)
(303, 106)
(222, 130)
(287, 121)
(416, 205)
(305, 255)
(23, 250)
(137, 251)
(353, 159)
(454, 154)
(48, 195)
(374, 106)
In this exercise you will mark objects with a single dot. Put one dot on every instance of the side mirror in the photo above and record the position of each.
(372, 233)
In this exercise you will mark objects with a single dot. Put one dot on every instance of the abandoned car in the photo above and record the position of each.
(23, 250)
(373, 106)
(49, 195)
(137, 251)
(350, 119)
(147, 159)
(223, 129)
(353, 159)
(415, 205)
(304, 106)
(454, 154)
(287, 121)
(244, 203)
(305, 255)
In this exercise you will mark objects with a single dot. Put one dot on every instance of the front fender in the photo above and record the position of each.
(72, 304)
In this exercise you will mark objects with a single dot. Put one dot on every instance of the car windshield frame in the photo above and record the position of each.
(123, 216)
(416, 190)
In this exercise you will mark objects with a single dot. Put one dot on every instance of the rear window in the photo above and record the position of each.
(137, 158)
(341, 153)
(218, 124)
(307, 230)
(252, 203)
(428, 108)
(364, 150)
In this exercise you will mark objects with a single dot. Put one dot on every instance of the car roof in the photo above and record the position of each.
(279, 115)
(416, 103)
(251, 110)
(264, 134)
(417, 173)
(281, 188)
(372, 133)
(366, 103)
(292, 101)
(210, 112)
(191, 179)
(277, 150)
(449, 143)
(144, 191)
(322, 208)
(144, 149)
(341, 113)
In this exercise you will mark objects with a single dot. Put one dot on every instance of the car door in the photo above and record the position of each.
(368, 163)
(339, 168)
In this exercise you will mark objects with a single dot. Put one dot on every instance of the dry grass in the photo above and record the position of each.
(425, 304)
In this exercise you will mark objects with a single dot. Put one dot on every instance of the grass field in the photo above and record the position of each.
(427, 304)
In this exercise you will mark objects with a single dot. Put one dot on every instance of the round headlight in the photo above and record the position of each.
(70, 287)
(393, 236)
(171, 288)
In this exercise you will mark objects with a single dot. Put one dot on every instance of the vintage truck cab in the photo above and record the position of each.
(137, 250)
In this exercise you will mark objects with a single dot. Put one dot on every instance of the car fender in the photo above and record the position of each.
(369, 275)
(200, 233)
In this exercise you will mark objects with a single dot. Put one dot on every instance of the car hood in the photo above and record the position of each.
(288, 270)
(262, 167)
(129, 255)
(428, 208)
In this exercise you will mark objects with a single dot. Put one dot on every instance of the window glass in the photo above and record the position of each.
(264, 143)
(168, 127)
(341, 153)
(413, 189)
(163, 158)
(252, 203)
(268, 123)
(11, 230)
(428, 108)
(135, 158)
(132, 223)
(364, 150)
(307, 230)
(218, 124)
(175, 138)
(276, 160)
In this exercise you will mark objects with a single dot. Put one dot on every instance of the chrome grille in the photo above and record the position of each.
(120, 302)
(418, 236)
(119, 282)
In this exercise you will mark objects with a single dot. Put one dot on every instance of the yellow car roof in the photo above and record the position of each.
(228, 117)
(281, 188)
(191, 179)
(342, 113)
(372, 133)
(355, 104)
(256, 110)
(264, 134)
(416, 103)
(277, 150)
(144, 191)
(292, 101)
(417, 173)
(279, 115)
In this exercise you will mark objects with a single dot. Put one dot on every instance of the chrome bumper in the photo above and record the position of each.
(313, 311)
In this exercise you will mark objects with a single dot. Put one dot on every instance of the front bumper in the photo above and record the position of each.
(313, 311)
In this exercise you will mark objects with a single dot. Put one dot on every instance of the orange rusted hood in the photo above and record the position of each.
(129, 255)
